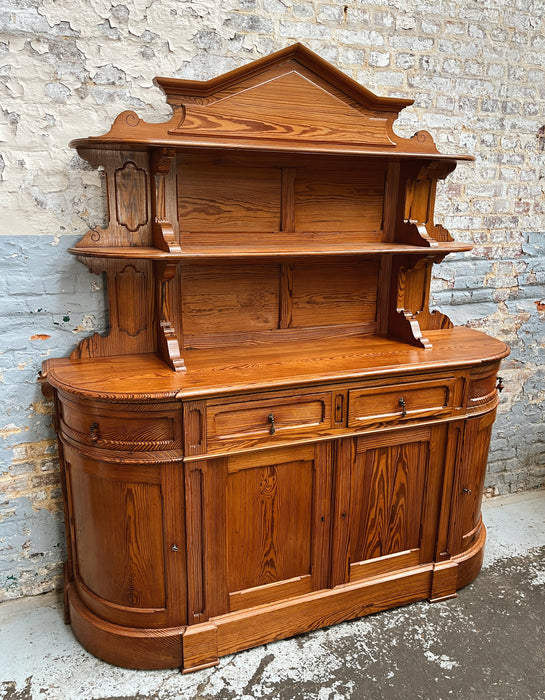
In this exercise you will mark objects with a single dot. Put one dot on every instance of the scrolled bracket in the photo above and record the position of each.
(167, 337)
(165, 223)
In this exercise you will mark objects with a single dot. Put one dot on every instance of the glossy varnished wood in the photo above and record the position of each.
(265, 365)
(277, 433)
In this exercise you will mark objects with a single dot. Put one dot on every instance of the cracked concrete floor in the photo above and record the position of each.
(488, 643)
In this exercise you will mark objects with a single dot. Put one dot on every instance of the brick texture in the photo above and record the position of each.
(477, 73)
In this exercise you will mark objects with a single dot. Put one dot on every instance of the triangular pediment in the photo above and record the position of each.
(292, 100)
(286, 107)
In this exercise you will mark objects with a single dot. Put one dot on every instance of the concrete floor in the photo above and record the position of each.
(488, 643)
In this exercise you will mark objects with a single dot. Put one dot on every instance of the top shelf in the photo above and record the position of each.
(240, 144)
(252, 251)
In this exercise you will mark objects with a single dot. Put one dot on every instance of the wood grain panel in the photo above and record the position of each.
(118, 527)
(226, 198)
(402, 401)
(269, 516)
(131, 198)
(334, 293)
(227, 299)
(240, 419)
(130, 330)
(267, 593)
(290, 106)
(213, 371)
(131, 284)
(387, 495)
(469, 482)
(136, 426)
(128, 199)
(341, 200)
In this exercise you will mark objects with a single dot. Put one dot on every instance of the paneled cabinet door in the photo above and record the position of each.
(394, 485)
(257, 527)
(466, 522)
(126, 537)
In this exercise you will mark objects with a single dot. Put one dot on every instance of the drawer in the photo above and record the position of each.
(241, 423)
(131, 426)
(483, 388)
(401, 402)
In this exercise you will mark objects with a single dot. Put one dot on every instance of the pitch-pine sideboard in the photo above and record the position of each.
(276, 434)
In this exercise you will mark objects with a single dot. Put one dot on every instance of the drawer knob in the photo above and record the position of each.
(466, 490)
(403, 407)
(500, 386)
(93, 433)
(272, 429)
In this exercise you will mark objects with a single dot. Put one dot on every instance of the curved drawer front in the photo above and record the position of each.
(238, 423)
(483, 388)
(122, 426)
(401, 402)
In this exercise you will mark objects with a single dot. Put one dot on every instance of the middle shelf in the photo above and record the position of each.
(254, 251)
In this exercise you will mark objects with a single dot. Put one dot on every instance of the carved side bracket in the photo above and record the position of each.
(410, 292)
(420, 187)
(163, 195)
(130, 310)
(128, 199)
(168, 342)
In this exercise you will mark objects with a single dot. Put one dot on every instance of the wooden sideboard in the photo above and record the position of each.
(276, 434)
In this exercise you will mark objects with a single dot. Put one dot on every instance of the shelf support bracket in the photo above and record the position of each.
(409, 303)
(163, 194)
(168, 343)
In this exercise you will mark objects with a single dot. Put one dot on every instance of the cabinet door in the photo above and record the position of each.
(258, 528)
(469, 479)
(395, 481)
(127, 538)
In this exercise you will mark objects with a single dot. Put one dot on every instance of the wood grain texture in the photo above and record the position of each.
(401, 402)
(214, 296)
(213, 197)
(213, 246)
(128, 199)
(276, 434)
(347, 117)
(217, 372)
(342, 292)
(387, 488)
(131, 330)
(269, 515)
(341, 200)
(123, 646)
(118, 537)
(265, 417)
(239, 630)
(468, 486)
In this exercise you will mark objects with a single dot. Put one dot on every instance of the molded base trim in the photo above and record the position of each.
(128, 647)
(200, 646)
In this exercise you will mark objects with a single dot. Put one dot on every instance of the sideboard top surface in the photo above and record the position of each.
(229, 370)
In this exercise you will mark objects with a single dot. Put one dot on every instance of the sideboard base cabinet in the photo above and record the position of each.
(277, 434)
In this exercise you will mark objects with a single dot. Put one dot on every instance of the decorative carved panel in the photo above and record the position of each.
(131, 313)
(131, 198)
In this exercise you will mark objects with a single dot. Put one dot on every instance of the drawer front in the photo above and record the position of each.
(483, 388)
(132, 427)
(241, 423)
(401, 402)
